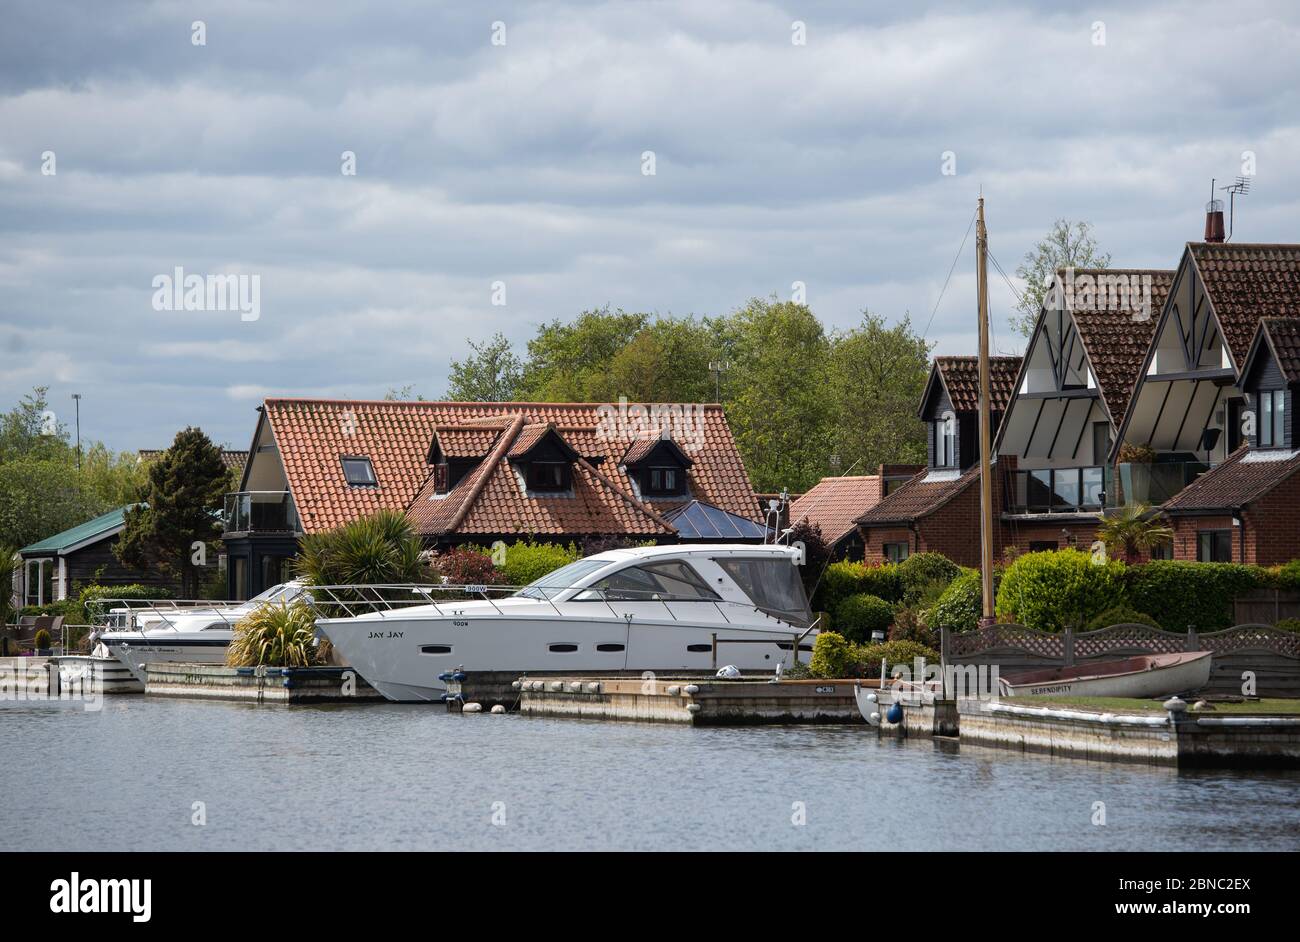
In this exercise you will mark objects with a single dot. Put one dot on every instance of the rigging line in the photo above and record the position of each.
(942, 290)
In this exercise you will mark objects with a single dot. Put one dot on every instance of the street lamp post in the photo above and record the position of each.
(76, 397)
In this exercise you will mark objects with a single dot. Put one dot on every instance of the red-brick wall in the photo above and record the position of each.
(1186, 529)
(1273, 524)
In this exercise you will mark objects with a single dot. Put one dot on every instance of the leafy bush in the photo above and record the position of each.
(847, 578)
(836, 656)
(833, 655)
(1289, 624)
(894, 653)
(527, 561)
(90, 600)
(276, 635)
(1122, 615)
(1287, 576)
(42, 640)
(912, 623)
(960, 606)
(466, 566)
(1198, 595)
(1058, 589)
(922, 570)
(859, 615)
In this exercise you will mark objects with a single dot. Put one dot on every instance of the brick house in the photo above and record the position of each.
(937, 510)
(834, 504)
(1247, 509)
(478, 472)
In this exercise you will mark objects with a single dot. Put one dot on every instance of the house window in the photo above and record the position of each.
(359, 472)
(1100, 442)
(1272, 418)
(548, 476)
(945, 443)
(1214, 546)
(1163, 551)
(662, 481)
(895, 552)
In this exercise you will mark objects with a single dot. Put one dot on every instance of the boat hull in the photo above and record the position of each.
(1142, 677)
(135, 655)
(103, 674)
(402, 658)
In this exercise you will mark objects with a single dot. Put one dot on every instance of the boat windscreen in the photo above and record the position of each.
(773, 584)
(562, 578)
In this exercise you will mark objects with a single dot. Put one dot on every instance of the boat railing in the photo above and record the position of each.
(108, 614)
(349, 601)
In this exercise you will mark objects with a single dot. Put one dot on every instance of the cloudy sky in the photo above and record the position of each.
(481, 161)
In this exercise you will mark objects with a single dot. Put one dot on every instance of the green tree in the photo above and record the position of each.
(570, 362)
(31, 429)
(1132, 530)
(667, 361)
(492, 374)
(114, 478)
(187, 486)
(9, 565)
(41, 496)
(1066, 245)
(776, 398)
(876, 376)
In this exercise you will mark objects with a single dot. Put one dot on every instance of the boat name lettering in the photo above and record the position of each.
(385, 634)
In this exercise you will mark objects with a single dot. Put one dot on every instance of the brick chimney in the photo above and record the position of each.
(1214, 221)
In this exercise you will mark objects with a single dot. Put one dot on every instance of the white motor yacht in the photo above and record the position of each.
(660, 608)
(165, 631)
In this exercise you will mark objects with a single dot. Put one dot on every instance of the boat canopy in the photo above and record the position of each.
(773, 583)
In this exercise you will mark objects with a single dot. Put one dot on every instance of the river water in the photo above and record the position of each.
(156, 774)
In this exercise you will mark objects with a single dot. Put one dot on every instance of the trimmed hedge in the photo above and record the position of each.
(88, 599)
(1289, 624)
(921, 570)
(1187, 594)
(961, 604)
(836, 656)
(527, 561)
(859, 615)
(846, 578)
(1057, 589)
(1122, 615)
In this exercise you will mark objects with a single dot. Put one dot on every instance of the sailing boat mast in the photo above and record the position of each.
(986, 432)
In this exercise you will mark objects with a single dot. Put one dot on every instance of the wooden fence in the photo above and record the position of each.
(1271, 654)
(1265, 606)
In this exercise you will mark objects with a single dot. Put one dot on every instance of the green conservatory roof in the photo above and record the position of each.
(104, 525)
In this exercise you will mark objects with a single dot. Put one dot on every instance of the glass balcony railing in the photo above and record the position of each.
(1154, 483)
(1089, 489)
(1058, 491)
(261, 512)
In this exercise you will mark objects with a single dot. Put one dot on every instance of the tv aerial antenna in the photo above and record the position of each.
(1240, 188)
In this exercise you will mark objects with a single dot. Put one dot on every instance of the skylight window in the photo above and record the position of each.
(359, 472)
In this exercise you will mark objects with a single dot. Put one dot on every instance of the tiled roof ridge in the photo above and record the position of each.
(483, 473)
(1189, 494)
(958, 484)
(422, 403)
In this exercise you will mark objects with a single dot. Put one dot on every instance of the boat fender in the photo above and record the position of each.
(555, 686)
(458, 676)
(515, 685)
(692, 708)
(472, 708)
(674, 690)
(895, 714)
(593, 687)
(575, 687)
(498, 709)
(691, 689)
(875, 719)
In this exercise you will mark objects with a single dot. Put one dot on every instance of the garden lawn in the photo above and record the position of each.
(1132, 705)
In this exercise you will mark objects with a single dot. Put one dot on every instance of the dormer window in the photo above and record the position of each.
(1272, 418)
(359, 472)
(945, 443)
(663, 481)
(548, 476)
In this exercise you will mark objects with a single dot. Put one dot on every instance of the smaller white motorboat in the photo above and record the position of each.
(99, 671)
(1144, 676)
(173, 632)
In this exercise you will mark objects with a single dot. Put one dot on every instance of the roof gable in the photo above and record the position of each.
(1245, 282)
(98, 528)
(1245, 477)
(1277, 338)
(959, 378)
(834, 504)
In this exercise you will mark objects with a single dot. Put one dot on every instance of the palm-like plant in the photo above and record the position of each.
(1132, 530)
(276, 635)
(382, 549)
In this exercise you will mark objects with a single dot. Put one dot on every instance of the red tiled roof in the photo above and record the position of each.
(1246, 282)
(1244, 477)
(918, 497)
(461, 442)
(961, 377)
(312, 434)
(1283, 337)
(833, 504)
(1115, 342)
